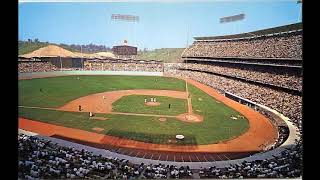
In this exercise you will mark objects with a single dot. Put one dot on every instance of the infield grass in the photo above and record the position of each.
(135, 104)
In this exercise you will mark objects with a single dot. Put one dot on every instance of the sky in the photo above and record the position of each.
(171, 24)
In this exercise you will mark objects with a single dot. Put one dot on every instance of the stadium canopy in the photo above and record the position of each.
(280, 29)
(50, 51)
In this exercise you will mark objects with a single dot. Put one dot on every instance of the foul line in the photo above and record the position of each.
(135, 114)
(188, 99)
(117, 113)
(33, 107)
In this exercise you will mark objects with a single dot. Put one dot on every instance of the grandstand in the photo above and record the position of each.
(280, 47)
(261, 69)
(271, 60)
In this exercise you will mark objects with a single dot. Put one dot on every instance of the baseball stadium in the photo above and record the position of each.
(229, 106)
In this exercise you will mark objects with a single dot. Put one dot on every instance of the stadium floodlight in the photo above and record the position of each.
(300, 2)
(123, 17)
(228, 19)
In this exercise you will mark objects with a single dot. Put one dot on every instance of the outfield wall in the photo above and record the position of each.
(68, 73)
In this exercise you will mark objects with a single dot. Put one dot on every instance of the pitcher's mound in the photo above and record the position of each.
(162, 119)
(97, 129)
(190, 117)
(98, 118)
(152, 103)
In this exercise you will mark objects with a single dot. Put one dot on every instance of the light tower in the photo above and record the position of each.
(129, 19)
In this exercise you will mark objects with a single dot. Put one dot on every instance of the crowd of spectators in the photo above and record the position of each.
(270, 62)
(287, 45)
(110, 66)
(45, 160)
(24, 67)
(41, 159)
(283, 80)
(287, 165)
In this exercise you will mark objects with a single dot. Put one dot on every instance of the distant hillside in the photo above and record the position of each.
(26, 47)
(167, 55)
(32, 45)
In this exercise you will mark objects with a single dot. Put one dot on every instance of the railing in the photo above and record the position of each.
(277, 119)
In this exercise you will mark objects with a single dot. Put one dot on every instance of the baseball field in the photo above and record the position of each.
(119, 108)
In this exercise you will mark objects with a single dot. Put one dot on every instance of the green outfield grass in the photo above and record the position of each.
(217, 125)
(135, 104)
(56, 91)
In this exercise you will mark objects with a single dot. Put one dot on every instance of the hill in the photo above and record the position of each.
(167, 55)
(50, 51)
(27, 46)
(32, 45)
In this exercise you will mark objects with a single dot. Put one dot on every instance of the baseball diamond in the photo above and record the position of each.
(135, 125)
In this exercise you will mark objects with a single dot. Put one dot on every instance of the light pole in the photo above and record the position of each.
(300, 12)
(186, 67)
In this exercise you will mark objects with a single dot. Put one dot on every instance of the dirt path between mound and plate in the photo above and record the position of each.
(102, 102)
(189, 100)
(260, 133)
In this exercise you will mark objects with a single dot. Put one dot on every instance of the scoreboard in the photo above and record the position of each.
(125, 50)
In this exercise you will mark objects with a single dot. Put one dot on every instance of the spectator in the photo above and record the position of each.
(287, 45)
(40, 159)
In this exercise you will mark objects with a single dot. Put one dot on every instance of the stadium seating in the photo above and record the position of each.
(44, 159)
(285, 45)
(40, 159)
(24, 67)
